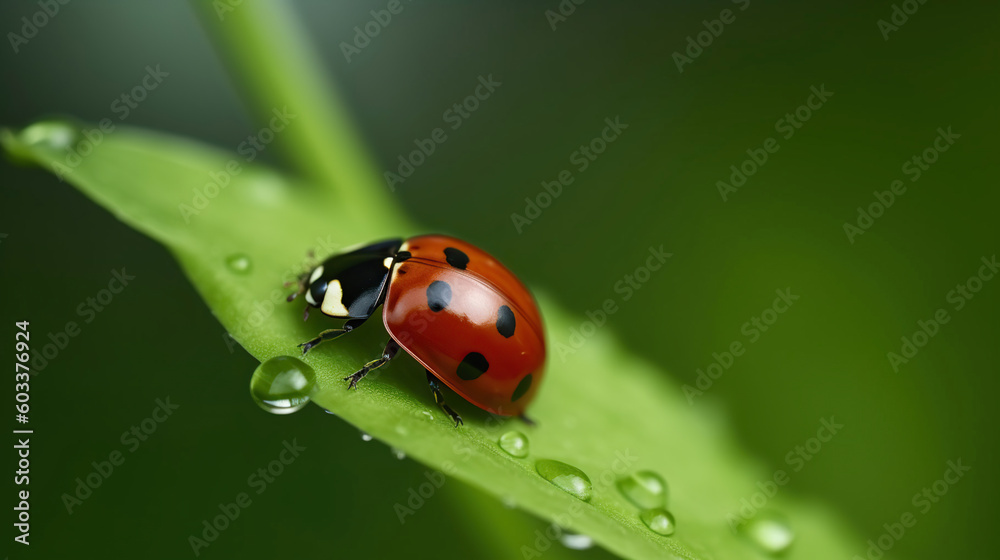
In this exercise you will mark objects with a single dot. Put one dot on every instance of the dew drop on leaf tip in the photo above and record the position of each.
(56, 135)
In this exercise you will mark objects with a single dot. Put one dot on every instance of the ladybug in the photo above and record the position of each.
(459, 312)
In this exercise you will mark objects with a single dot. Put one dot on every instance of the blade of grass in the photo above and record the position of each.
(267, 52)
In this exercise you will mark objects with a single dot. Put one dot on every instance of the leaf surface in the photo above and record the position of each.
(599, 408)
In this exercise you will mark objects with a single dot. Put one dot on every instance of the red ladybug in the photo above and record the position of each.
(459, 312)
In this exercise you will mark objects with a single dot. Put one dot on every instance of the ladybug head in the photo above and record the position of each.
(349, 285)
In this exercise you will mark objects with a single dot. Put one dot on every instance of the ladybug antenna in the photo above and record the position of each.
(301, 283)
(301, 280)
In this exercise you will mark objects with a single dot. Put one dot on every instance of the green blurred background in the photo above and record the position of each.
(655, 185)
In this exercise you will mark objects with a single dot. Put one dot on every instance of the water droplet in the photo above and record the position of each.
(365, 437)
(567, 477)
(770, 531)
(659, 520)
(515, 443)
(576, 542)
(645, 489)
(325, 409)
(399, 453)
(54, 134)
(282, 385)
(238, 263)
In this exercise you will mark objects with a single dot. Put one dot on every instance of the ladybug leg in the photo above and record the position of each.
(439, 398)
(331, 334)
(390, 351)
(526, 420)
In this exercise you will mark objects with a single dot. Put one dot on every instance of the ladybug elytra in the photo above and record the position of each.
(459, 312)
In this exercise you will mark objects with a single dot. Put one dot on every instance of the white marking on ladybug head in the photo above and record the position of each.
(387, 262)
(316, 273)
(309, 297)
(333, 301)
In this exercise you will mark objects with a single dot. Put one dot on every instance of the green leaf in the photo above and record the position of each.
(599, 409)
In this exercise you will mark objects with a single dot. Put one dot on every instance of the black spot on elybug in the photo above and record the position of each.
(505, 321)
(438, 295)
(472, 366)
(402, 271)
(522, 388)
(456, 258)
(403, 255)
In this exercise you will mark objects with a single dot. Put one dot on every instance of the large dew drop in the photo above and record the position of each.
(659, 520)
(282, 385)
(514, 443)
(645, 489)
(770, 531)
(566, 477)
